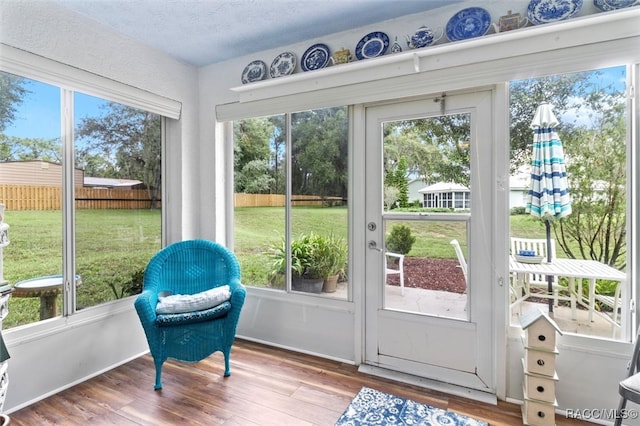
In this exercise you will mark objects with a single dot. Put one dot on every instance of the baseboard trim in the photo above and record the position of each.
(449, 388)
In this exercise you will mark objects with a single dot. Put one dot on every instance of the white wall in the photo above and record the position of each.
(53, 354)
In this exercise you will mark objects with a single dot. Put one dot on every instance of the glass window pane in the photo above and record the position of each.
(118, 200)
(427, 256)
(31, 191)
(319, 182)
(259, 200)
(318, 187)
(591, 111)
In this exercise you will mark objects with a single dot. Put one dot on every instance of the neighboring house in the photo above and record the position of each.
(452, 195)
(45, 173)
(518, 190)
(415, 185)
(446, 195)
(111, 183)
(35, 172)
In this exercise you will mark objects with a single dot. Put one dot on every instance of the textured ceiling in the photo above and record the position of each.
(202, 32)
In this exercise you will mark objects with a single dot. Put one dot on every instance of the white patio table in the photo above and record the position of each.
(572, 269)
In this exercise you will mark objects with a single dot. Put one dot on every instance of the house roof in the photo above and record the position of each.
(110, 183)
(443, 187)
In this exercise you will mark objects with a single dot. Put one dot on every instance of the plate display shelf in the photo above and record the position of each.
(597, 28)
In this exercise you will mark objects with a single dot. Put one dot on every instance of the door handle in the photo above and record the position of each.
(373, 246)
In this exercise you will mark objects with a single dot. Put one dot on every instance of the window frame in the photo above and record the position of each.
(71, 80)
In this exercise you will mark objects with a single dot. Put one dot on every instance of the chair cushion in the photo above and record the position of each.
(167, 320)
(184, 303)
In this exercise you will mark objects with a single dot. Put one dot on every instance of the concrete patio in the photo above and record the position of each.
(452, 305)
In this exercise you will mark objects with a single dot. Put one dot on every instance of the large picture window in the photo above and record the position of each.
(290, 213)
(114, 192)
(592, 122)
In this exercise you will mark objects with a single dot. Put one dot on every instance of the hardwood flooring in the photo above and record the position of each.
(268, 386)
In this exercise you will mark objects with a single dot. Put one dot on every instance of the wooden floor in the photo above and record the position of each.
(268, 386)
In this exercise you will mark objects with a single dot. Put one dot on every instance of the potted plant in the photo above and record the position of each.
(310, 263)
(337, 257)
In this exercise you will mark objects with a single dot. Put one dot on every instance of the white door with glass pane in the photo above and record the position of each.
(430, 321)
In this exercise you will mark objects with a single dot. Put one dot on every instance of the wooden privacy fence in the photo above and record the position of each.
(278, 200)
(40, 197)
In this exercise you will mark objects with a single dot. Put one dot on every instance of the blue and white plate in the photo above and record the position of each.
(545, 11)
(315, 57)
(607, 5)
(283, 64)
(468, 23)
(255, 71)
(372, 45)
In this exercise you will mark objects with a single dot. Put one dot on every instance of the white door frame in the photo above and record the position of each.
(481, 235)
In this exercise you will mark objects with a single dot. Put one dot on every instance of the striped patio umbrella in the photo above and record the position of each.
(548, 196)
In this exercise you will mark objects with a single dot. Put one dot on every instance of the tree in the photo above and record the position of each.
(128, 139)
(525, 95)
(391, 194)
(14, 148)
(595, 152)
(254, 177)
(251, 155)
(396, 184)
(436, 149)
(12, 92)
(597, 178)
(402, 181)
(319, 152)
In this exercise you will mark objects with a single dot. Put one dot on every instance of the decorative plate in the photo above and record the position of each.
(607, 5)
(468, 23)
(545, 11)
(283, 64)
(372, 45)
(255, 71)
(315, 57)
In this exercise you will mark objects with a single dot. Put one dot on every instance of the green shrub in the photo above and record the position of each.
(518, 210)
(400, 239)
(131, 287)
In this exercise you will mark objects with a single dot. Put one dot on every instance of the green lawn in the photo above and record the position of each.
(113, 246)
(112, 249)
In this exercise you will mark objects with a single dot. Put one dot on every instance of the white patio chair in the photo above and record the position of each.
(461, 259)
(615, 304)
(392, 271)
(539, 246)
(463, 265)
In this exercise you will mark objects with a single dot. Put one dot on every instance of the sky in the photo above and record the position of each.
(39, 114)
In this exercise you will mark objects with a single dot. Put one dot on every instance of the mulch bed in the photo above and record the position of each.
(431, 274)
(439, 274)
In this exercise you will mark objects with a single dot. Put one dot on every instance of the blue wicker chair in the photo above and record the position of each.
(187, 268)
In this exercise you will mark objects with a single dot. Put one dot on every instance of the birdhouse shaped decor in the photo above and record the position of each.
(539, 367)
(540, 362)
(540, 331)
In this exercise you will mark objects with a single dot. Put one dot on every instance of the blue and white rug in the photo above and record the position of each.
(372, 407)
